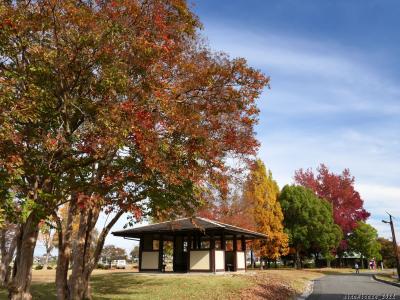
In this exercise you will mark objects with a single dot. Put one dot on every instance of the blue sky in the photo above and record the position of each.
(335, 92)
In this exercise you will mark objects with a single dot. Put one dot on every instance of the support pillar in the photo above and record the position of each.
(160, 253)
(234, 253)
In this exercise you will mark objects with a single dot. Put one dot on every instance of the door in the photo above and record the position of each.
(180, 254)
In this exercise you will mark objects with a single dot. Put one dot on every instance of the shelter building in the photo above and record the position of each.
(199, 245)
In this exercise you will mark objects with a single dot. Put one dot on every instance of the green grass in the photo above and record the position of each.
(133, 286)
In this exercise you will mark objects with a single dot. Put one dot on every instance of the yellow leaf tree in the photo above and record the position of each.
(261, 194)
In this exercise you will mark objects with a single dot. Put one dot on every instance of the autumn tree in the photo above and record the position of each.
(387, 253)
(308, 220)
(111, 252)
(261, 193)
(103, 101)
(364, 240)
(339, 190)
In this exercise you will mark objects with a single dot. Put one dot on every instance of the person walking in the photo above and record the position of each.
(357, 268)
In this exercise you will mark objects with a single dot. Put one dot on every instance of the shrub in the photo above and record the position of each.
(38, 267)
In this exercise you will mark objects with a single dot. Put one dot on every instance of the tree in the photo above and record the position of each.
(308, 221)
(135, 252)
(261, 192)
(364, 240)
(103, 101)
(339, 190)
(8, 242)
(46, 236)
(111, 252)
(387, 253)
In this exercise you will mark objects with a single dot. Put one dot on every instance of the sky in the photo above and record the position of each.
(335, 92)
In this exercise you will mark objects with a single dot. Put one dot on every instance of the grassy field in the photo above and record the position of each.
(125, 284)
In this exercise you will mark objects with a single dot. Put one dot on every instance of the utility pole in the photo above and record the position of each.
(395, 247)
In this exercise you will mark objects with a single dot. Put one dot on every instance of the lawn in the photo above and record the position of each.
(269, 284)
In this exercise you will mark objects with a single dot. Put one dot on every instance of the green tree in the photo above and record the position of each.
(309, 222)
(364, 240)
(135, 252)
(261, 194)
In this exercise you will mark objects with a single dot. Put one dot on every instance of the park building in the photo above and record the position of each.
(194, 244)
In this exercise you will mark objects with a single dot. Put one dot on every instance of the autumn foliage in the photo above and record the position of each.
(339, 190)
(261, 193)
(106, 103)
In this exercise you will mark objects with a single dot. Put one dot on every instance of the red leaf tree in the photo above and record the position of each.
(339, 190)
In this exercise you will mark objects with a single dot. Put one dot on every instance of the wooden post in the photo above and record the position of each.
(160, 253)
(223, 247)
(234, 253)
(244, 250)
(174, 255)
(212, 253)
(140, 252)
(188, 252)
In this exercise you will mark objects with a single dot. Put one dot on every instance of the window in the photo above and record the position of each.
(229, 245)
(156, 245)
(147, 243)
(217, 244)
(239, 245)
(205, 245)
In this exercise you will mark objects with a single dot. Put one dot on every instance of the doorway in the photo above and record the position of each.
(180, 254)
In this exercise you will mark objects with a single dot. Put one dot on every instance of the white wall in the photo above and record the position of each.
(149, 260)
(219, 260)
(240, 260)
(200, 260)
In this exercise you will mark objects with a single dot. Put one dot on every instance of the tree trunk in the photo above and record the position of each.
(93, 260)
(362, 262)
(328, 263)
(46, 261)
(22, 274)
(297, 260)
(79, 279)
(64, 252)
(7, 254)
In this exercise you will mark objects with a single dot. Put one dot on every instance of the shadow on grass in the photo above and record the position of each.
(45, 291)
(119, 284)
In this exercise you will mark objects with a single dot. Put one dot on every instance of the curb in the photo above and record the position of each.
(308, 291)
(384, 281)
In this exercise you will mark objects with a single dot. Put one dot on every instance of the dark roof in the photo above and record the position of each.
(195, 224)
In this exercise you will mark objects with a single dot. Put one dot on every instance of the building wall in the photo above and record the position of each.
(220, 260)
(149, 260)
(199, 260)
(240, 260)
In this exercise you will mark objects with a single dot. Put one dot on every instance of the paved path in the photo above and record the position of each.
(352, 287)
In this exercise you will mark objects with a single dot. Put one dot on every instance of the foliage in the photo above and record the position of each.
(308, 220)
(261, 194)
(2, 218)
(112, 252)
(364, 240)
(387, 252)
(339, 190)
(105, 102)
(135, 252)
